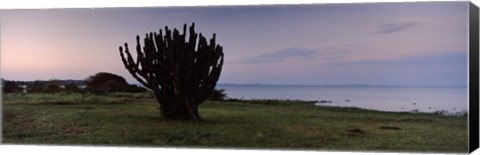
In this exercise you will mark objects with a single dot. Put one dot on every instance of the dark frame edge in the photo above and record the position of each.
(473, 78)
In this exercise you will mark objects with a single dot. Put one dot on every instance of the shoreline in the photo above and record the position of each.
(320, 103)
(328, 103)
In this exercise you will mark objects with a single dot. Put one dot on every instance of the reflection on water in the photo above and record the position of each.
(421, 99)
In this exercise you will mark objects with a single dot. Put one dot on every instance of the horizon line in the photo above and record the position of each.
(339, 85)
(286, 85)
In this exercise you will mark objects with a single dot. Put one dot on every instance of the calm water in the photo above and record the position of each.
(424, 99)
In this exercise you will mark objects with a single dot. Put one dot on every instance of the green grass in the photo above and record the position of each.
(124, 119)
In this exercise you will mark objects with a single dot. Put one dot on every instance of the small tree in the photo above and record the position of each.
(103, 82)
(10, 86)
(181, 72)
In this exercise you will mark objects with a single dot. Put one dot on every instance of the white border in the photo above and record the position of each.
(83, 150)
(45, 4)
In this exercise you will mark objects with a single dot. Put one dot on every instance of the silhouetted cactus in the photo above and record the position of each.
(180, 72)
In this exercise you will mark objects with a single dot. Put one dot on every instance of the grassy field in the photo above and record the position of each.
(134, 120)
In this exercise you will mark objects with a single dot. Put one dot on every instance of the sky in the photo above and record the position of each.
(418, 44)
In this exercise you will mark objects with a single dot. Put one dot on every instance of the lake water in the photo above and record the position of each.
(423, 99)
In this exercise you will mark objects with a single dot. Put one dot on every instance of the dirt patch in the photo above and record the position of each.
(356, 131)
(17, 120)
(74, 129)
(390, 128)
(87, 108)
(422, 120)
(7, 117)
(304, 129)
(16, 126)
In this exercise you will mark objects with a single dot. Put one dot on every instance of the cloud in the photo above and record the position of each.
(395, 27)
(338, 52)
(436, 59)
(282, 55)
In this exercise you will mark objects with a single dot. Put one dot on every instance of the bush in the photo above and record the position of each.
(51, 88)
(103, 82)
(218, 95)
(11, 87)
(135, 89)
(36, 87)
(72, 88)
